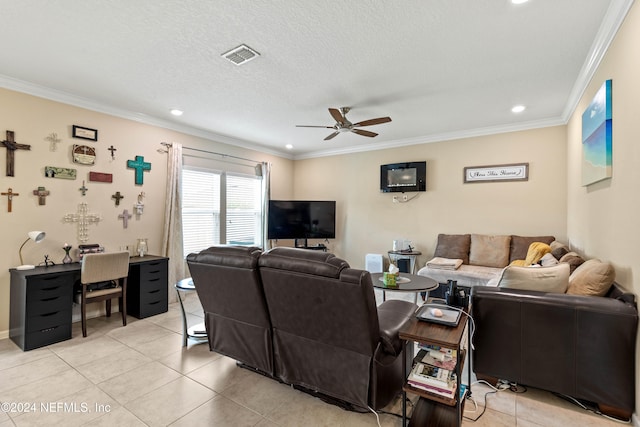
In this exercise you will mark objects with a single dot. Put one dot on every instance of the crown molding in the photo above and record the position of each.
(609, 27)
(440, 137)
(77, 101)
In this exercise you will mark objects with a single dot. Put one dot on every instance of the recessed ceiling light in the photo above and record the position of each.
(288, 146)
(176, 112)
(518, 109)
(519, 1)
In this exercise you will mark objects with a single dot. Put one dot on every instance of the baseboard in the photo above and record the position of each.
(635, 420)
(4, 334)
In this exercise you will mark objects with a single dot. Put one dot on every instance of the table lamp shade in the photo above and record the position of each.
(36, 236)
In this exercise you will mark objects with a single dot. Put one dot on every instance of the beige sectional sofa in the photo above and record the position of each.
(483, 256)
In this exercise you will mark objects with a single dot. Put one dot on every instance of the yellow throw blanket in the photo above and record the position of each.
(535, 252)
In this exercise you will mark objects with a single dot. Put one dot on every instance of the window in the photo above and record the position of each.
(220, 207)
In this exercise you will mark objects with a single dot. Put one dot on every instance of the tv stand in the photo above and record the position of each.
(302, 244)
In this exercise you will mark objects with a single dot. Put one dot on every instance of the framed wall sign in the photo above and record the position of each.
(56, 172)
(84, 155)
(84, 133)
(510, 172)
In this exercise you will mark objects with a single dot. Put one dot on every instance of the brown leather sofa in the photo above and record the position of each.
(305, 318)
(579, 346)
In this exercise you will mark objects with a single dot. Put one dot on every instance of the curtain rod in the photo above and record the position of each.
(168, 144)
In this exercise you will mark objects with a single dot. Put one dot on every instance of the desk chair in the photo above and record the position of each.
(104, 267)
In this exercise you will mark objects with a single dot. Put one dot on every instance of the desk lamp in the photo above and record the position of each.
(36, 236)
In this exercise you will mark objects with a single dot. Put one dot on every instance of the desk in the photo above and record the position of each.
(41, 299)
(416, 284)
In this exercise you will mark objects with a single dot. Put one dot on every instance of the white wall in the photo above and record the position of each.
(602, 219)
(368, 221)
(33, 119)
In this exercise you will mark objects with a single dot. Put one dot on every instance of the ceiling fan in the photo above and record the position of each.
(344, 125)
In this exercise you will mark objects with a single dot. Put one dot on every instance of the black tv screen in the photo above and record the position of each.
(403, 177)
(301, 219)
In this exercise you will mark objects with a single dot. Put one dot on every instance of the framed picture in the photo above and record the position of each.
(85, 133)
(62, 173)
(495, 173)
(597, 132)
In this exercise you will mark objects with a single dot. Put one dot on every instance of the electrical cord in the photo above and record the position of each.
(595, 411)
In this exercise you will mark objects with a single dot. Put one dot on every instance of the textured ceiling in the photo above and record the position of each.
(440, 69)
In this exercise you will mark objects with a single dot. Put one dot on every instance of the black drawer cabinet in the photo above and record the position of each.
(147, 286)
(41, 302)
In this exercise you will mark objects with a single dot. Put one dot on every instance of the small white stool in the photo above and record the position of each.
(197, 332)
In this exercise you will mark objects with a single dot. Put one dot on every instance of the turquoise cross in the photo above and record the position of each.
(140, 166)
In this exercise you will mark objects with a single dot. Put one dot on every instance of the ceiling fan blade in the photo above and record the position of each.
(307, 126)
(337, 115)
(331, 136)
(371, 122)
(364, 132)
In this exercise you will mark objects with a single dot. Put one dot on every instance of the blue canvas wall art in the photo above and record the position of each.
(597, 137)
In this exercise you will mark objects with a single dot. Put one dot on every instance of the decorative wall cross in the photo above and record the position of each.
(83, 218)
(11, 145)
(140, 205)
(125, 216)
(117, 196)
(10, 195)
(83, 189)
(53, 141)
(42, 194)
(140, 166)
(112, 149)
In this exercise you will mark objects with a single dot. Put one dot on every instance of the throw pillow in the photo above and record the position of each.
(536, 251)
(559, 249)
(548, 260)
(454, 246)
(573, 259)
(519, 245)
(593, 277)
(489, 250)
(543, 279)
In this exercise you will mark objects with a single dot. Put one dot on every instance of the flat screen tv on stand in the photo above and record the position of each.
(302, 220)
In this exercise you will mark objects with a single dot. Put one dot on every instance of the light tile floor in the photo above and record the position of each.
(140, 375)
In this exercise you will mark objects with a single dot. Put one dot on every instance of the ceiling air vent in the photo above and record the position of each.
(241, 54)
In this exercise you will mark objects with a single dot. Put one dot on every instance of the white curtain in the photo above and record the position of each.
(265, 170)
(172, 232)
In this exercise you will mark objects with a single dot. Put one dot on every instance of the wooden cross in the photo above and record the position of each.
(140, 166)
(10, 195)
(83, 189)
(112, 149)
(125, 216)
(11, 146)
(117, 196)
(42, 194)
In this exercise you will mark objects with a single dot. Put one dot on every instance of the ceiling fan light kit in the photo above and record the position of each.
(344, 125)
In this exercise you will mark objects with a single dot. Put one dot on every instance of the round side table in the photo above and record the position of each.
(197, 332)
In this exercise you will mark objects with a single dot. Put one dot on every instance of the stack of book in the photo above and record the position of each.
(92, 248)
(434, 371)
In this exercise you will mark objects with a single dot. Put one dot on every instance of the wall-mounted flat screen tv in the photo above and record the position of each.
(301, 219)
(403, 177)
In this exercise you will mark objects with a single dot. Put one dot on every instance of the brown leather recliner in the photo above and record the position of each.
(328, 335)
(236, 317)
(580, 346)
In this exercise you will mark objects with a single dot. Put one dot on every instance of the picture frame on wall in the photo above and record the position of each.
(84, 133)
(496, 173)
(597, 137)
